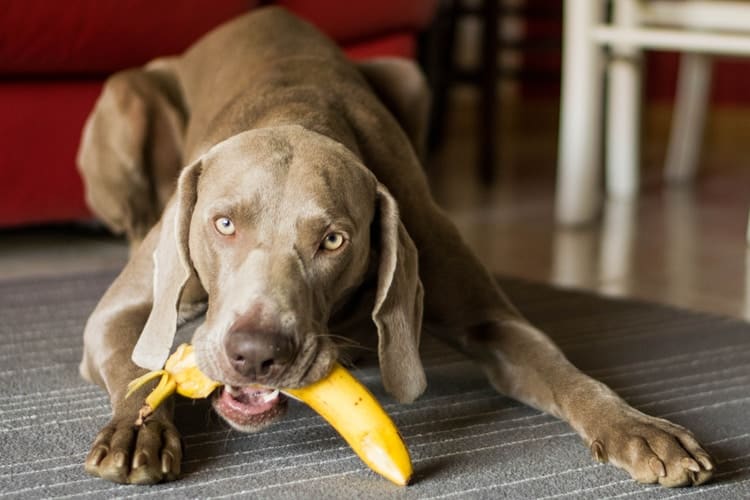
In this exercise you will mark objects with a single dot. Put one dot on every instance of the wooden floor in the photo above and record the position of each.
(682, 246)
(679, 245)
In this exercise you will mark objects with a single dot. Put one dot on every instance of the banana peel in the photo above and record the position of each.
(180, 375)
(339, 398)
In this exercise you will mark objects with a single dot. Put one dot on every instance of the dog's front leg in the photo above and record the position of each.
(523, 363)
(122, 452)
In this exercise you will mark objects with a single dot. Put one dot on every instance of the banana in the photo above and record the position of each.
(180, 374)
(339, 398)
(355, 414)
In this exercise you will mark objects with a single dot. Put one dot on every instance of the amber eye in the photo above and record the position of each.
(332, 241)
(225, 226)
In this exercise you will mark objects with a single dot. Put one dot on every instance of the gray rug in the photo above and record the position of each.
(466, 440)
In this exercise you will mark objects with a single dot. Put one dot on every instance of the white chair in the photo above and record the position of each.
(698, 29)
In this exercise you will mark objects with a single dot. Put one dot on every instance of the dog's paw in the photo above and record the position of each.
(124, 453)
(652, 450)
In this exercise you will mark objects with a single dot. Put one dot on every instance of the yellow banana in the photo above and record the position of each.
(355, 413)
(339, 398)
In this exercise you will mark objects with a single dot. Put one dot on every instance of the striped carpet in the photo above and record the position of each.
(466, 441)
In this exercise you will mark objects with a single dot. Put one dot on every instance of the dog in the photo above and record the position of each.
(275, 187)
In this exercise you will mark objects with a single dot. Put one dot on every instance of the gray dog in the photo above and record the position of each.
(302, 215)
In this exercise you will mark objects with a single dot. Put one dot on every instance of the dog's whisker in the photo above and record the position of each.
(345, 341)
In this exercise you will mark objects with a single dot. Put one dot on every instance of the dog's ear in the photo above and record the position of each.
(172, 270)
(398, 305)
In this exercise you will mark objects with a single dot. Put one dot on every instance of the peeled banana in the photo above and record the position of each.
(339, 398)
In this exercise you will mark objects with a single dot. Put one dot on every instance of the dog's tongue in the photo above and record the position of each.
(250, 400)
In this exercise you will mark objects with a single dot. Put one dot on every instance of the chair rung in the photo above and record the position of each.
(713, 15)
(714, 43)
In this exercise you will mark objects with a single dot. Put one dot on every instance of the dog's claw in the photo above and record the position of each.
(119, 459)
(653, 450)
(146, 455)
(140, 459)
(598, 452)
(657, 466)
(705, 461)
(96, 456)
(690, 464)
(166, 463)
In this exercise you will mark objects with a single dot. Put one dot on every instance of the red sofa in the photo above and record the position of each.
(54, 57)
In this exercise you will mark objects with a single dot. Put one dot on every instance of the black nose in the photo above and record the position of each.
(258, 355)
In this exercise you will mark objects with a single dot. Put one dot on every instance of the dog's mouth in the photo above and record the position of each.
(250, 408)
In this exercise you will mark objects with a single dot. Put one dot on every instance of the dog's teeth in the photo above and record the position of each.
(271, 396)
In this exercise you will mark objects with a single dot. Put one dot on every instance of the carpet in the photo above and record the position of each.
(466, 441)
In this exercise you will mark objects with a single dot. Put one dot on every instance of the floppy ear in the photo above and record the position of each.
(398, 305)
(172, 269)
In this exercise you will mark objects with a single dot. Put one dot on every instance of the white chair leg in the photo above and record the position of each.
(624, 109)
(688, 117)
(578, 194)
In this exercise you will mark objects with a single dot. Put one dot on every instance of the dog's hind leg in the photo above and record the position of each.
(131, 150)
(402, 88)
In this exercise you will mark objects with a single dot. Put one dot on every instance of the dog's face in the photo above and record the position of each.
(281, 226)
(279, 234)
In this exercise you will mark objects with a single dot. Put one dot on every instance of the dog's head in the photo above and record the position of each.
(280, 226)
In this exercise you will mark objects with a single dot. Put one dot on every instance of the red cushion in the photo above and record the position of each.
(101, 36)
(39, 132)
(80, 37)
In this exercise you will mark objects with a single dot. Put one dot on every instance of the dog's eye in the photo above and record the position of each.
(225, 226)
(332, 241)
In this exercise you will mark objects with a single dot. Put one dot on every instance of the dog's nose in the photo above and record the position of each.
(258, 355)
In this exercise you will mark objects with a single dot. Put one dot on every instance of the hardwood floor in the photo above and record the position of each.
(679, 246)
